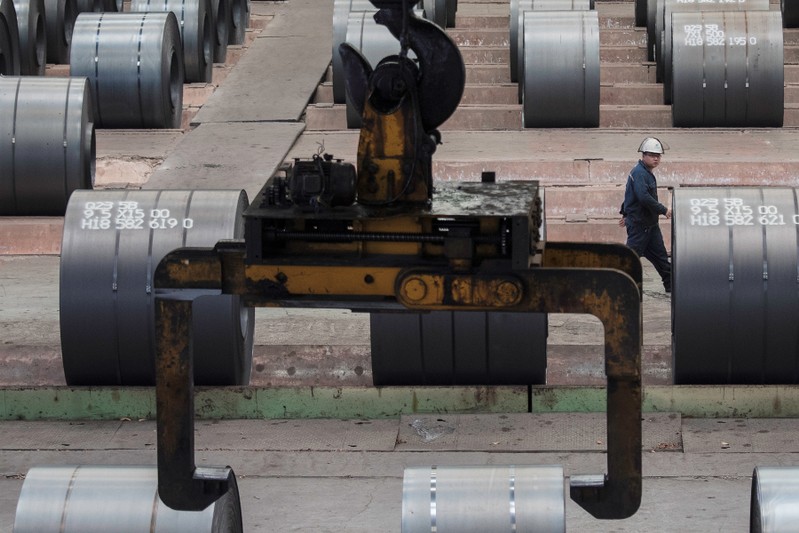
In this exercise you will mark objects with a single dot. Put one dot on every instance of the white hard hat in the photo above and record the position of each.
(652, 145)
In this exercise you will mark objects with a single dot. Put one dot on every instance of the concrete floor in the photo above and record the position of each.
(346, 475)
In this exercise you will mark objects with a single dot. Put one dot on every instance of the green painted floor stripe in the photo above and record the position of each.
(64, 403)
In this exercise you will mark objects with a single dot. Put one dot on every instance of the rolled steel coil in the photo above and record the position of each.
(460, 348)
(560, 85)
(651, 14)
(735, 256)
(10, 54)
(32, 37)
(47, 143)
(97, 6)
(134, 65)
(663, 30)
(221, 11)
(112, 244)
(517, 10)
(641, 11)
(790, 13)
(727, 69)
(774, 504)
(452, 12)
(195, 20)
(239, 21)
(59, 18)
(483, 499)
(122, 499)
(436, 11)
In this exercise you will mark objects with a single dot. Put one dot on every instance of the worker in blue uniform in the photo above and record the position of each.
(641, 210)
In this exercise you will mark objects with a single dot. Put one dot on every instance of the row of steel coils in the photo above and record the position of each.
(721, 63)
(531, 498)
(353, 23)
(127, 70)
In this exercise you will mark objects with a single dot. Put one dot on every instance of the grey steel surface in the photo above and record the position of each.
(32, 37)
(227, 156)
(47, 146)
(134, 65)
(10, 53)
(113, 241)
(299, 34)
(97, 6)
(790, 13)
(737, 84)
(221, 10)
(123, 499)
(59, 19)
(452, 348)
(484, 499)
(239, 21)
(735, 258)
(775, 499)
(517, 9)
(560, 84)
(664, 32)
(341, 14)
(436, 11)
(196, 24)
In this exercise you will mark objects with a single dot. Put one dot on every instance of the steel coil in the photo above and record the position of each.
(452, 12)
(560, 85)
(239, 21)
(122, 499)
(32, 37)
(663, 30)
(97, 6)
(483, 499)
(196, 31)
(641, 11)
(47, 143)
(135, 66)
(221, 11)
(734, 292)
(727, 69)
(774, 503)
(458, 348)
(517, 10)
(10, 54)
(790, 13)
(59, 18)
(436, 11)
(113, 241)
(651, 14)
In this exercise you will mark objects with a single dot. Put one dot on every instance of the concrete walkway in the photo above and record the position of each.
(334, 476)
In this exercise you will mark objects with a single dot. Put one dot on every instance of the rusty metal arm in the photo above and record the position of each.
(594, 255)
(609, 294)
(181, 485)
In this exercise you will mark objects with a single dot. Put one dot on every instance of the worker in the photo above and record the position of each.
(641, 209)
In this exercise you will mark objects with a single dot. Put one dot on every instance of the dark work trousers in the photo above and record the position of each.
(648, 242)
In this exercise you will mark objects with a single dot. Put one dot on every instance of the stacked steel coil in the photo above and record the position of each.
(135, 66)
(47, 143)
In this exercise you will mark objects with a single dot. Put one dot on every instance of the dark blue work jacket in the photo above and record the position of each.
(641, 206)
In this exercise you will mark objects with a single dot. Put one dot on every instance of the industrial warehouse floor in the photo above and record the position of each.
(326, 461)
